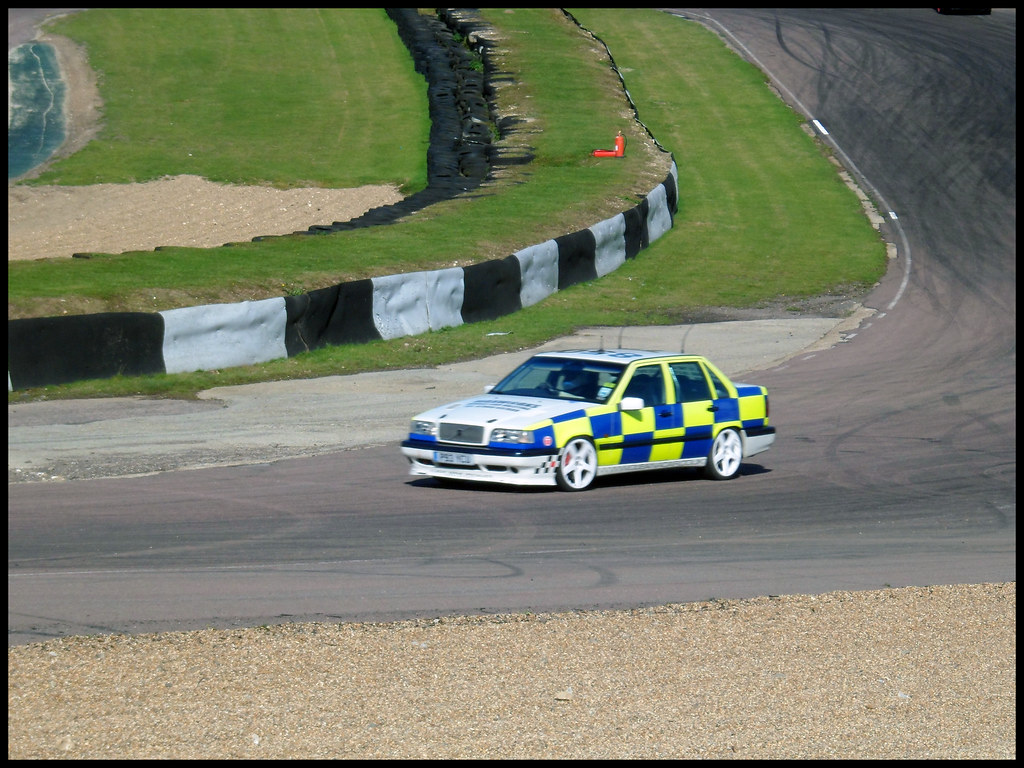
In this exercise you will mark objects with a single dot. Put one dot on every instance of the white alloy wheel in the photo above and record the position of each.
(577, 465)
(725, 456)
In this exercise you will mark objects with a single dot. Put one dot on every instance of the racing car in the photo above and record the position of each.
(566, 418)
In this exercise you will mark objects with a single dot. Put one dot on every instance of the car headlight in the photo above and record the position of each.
(420, 427)
(512, 436)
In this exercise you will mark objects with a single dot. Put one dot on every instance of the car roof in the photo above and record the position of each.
(619, 356)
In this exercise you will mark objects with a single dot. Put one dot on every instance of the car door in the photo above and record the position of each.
(655, 432)
(697, 405)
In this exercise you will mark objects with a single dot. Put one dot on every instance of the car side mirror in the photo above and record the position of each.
(488, 388)
(631, 404)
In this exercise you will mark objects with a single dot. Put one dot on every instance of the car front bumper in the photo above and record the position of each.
(481, 465)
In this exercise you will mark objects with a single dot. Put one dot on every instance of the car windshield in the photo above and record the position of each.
(562, 379)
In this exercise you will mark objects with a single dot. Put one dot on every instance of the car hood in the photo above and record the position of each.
(503, 410)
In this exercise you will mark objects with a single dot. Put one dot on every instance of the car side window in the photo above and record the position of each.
(719, 387)
(648, 382)
(690, 382)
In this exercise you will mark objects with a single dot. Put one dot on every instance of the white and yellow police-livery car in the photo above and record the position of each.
(566, 418)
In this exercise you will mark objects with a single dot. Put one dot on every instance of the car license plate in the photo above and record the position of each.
(446, 457)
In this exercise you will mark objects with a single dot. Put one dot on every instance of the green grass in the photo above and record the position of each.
(285, 97)
(743, 237)
(526, 207)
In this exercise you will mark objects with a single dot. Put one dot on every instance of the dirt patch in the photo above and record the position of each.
(47, 222)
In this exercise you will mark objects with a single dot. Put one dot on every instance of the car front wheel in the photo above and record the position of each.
(577, 465)
(725, 456)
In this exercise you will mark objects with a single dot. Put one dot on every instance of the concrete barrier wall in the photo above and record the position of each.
(57, 350)
(223, 335)
(407, 305)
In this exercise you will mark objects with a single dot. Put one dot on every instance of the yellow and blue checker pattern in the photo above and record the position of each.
(667, 432)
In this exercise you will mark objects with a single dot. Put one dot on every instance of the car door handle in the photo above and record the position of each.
(712, 408)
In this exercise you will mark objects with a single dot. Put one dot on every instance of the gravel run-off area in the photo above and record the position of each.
(917, 672)
(902, 673)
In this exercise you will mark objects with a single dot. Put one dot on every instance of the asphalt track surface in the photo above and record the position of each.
(895, 463)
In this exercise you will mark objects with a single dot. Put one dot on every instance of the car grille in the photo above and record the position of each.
(466, 434)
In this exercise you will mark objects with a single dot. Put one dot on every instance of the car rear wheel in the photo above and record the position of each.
(577, 465)
(725, 455)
